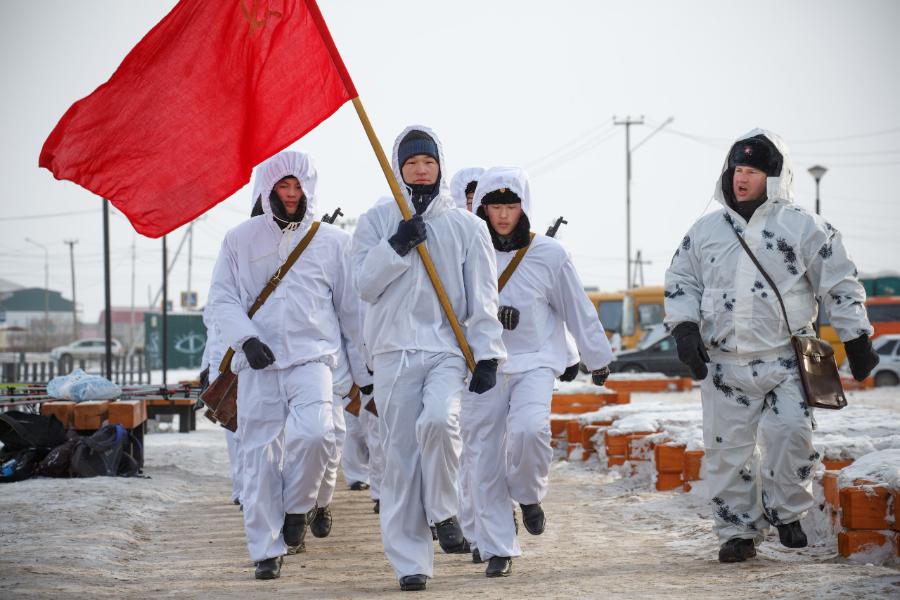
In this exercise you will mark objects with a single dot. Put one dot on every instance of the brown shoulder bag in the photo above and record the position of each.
(815, 357)
(221, 395)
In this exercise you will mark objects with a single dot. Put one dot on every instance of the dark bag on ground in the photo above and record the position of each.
(17, 465)
(21, 430)
(58, 461)
(103, 454)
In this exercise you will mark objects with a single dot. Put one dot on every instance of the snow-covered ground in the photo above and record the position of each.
(175, 534)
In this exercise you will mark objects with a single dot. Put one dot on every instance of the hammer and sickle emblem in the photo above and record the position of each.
(252, 13)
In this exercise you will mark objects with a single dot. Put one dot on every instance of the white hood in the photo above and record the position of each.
(442, 202)
(283, 164)
(778, 189)
(495, 178)
(460, 180)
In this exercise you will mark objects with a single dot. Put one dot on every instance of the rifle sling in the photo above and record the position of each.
(272, 284)
(511, 267)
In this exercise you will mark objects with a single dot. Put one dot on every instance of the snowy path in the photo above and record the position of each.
(176, 535)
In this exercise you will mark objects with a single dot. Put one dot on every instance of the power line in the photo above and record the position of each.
(50, 215)
(852, 136)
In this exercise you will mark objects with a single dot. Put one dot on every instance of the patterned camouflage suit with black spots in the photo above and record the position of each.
(752, 392)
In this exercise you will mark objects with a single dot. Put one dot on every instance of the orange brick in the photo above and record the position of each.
(91, 414)
(830, 486)
(63, 410)
(558, 427)
(127, 413)
(587, 432)
(692, 462)
(856, 540)
(669, 458)
(836, 464)
(864, 508)
(621, 398)
(687, 486)
(615, 460)
(573, 432)
(668, 481)
(616, 444)
(602, 422)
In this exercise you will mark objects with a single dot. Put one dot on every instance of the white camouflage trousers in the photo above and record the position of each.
(753, 485)
(506, 432)
(287, 443)
(355, 457)
(418, 398)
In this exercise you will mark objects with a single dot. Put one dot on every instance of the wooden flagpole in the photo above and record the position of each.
(423, 251)
(316, 15)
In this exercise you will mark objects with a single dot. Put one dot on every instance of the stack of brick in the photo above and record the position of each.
(565, 409)
(618, 445)
(669, 459)
(693, 463)
(866, 514)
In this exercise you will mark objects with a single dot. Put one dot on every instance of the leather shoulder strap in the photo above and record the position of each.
(283, 269)
(766, 277)
(272, 284)
(511, 267)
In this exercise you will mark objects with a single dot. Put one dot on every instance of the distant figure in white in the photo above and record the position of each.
(419, 369)
(507, 429)
(285, 356)
(722, 311)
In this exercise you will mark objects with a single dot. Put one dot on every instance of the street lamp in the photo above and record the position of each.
(46, 291)
(818, 172)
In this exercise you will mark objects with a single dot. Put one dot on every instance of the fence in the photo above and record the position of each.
(40, 368)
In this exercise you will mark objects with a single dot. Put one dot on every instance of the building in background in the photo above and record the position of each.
(34, 319)
(127, 326)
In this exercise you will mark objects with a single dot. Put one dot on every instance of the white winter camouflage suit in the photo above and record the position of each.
(506, 430)
(285, 411)
(419, 369)
(753, 384)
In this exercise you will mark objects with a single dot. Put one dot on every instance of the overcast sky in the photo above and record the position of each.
(534, 84)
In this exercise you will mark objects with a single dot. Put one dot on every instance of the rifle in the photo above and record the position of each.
(326, 218)
(553, 229)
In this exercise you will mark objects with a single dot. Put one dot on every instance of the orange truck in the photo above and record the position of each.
(884, 314)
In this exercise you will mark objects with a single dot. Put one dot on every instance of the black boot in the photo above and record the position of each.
(294, 532)
(359, 486)
(413, 583)
(476, 557)
(450, 536)
(533, 518)
(737, 550)
(499, 566)
(377, 508)
(320, 523)
(791, 535)
(269, 568)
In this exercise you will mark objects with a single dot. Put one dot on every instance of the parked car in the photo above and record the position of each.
(655, 356)
(87, 348)
(888, 370)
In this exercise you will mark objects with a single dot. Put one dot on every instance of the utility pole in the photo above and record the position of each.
(628, 122)
(71, 244)
(131, 331)
(190, 258)
(46, 291)
(639, 267)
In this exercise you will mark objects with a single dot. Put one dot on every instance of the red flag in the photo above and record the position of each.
(214, 89)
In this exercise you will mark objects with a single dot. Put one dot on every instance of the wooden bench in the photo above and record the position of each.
(183, 407)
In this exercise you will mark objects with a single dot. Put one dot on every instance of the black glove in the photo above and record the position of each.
(570, 373)
(508, 317)
(599, 376)
(861, 356)
(409, 235)
(204, 379)
(258, 354)
(691, 350)
(484, 377)
(367, 389)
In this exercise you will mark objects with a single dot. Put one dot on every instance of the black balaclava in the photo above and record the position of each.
(279, 214)
(518, 237)
(414, 143)
(758, 152)
(470, 187)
